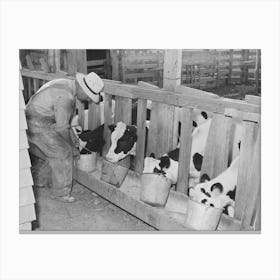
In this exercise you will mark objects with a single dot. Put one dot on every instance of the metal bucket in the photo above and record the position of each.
(202, 217)
(154, 189)
(114, 173)
(87, 162)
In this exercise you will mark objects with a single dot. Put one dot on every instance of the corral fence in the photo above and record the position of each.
(162, 137)
(202, 69)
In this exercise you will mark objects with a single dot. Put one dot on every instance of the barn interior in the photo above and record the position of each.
(225, 82)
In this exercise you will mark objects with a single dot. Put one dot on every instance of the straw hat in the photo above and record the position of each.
(91, 84)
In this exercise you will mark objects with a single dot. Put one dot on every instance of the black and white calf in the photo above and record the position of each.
(220, 191)
(92, 140)
(168, 163)
(123, 141)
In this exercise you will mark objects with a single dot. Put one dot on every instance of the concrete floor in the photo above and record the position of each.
(89, 213)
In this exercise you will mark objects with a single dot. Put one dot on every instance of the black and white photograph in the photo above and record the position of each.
(140, 140)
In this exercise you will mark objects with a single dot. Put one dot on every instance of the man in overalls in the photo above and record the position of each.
(49, 113)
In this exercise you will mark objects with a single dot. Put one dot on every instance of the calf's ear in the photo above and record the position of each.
(204, 115)
(152, 155)
(112, 127)
(204, 178)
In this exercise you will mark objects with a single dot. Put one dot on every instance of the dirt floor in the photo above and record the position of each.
(89, 213)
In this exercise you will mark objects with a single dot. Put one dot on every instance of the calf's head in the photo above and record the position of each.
(123, 141)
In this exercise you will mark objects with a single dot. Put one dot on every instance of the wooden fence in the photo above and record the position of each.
(207, 69)
(203, 69)
(247, 209)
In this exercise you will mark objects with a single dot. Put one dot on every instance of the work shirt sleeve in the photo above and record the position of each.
(63, 110)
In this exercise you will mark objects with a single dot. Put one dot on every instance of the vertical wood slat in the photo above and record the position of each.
(93, 116)
(141, 133)
(253, 185)
(257, 70)
(57, 60)
(245, 162)
(31, 66)
(123, 109)
(81, 61)
(71, 61)
(230, 66)
(185, 150)
(115, 65)
(217, 147)
(123, 112)
(107, 121)
(29, 87)
(51, 61)
(160, 138)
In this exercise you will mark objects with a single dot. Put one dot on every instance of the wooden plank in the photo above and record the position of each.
(71, 61)
(21, 102)
(57, 62)
(81, 61)
(140, 65)
(245, 162)
(123, 110)
(96, 62)
(22, 120)
(26, 196)
(107, 121)
(141, 133)
(170, 98)
(27, 213)
(172, 69)
(24, 159)
(257, 70)
(31, 66)
(25, 178)
(23, 143)
(253, 185)
(199, 93)
(115, 65)
(214, 105)
(147, 85)
(51, 61)
(140, 75)
(29, 88)
(185, 150)
(93, 116)
(217, 148)
(43, 76)
(160, 138)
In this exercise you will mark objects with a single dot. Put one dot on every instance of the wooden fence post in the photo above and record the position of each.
(230, 66)
(172, 72)
(115, 65)
(257, 70)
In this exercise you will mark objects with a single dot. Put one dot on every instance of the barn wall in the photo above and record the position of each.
(26, 195)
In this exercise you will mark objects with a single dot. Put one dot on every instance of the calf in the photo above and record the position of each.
(220, 191)
(92, 140)
(168, 163)
(123, 141)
